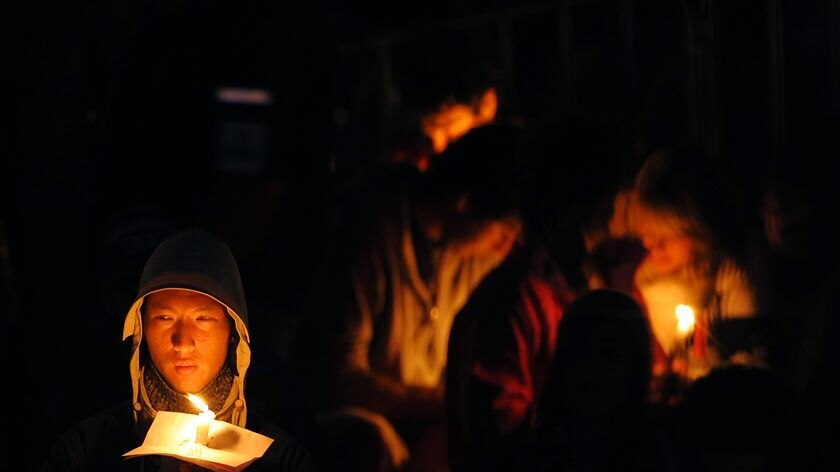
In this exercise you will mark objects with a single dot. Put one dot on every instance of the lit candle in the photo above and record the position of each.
(685, 325)
(205, 417)
(685, 320)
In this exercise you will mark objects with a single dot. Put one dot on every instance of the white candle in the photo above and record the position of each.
(205, 418)
(202, 430)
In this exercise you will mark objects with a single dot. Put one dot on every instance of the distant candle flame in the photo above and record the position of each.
(198, 402)
(685, 319)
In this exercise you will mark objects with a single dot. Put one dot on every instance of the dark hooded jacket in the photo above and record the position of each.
(194, 260)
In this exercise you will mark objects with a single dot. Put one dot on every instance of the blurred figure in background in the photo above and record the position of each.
(679, 210)
(503, 340)
(406, 256)
(800, 280)
(595, 411)
(738, 418)
(442, 87)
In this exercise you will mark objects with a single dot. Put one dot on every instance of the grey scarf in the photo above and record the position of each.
(163, 397)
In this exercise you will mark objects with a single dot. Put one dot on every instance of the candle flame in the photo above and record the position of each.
(685, 318)
(198, 402)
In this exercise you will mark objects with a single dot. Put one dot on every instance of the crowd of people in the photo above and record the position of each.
(511, 296)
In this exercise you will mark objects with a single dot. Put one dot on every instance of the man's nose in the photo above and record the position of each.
(182, 337)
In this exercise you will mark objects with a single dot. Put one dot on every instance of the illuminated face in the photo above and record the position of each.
(188, 335)
(669, 250)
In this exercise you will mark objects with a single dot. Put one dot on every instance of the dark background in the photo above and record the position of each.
(114, 138)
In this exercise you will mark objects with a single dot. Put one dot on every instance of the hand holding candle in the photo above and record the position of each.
(205, 418)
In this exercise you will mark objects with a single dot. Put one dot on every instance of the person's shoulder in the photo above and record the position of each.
(116, 418)
(96, 442)
(645, 274)
(285, 453)
(731, 267)
(736, 292)
(731, 275)
(492, 288)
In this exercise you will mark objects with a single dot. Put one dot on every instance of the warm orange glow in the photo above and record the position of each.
(198, 402)
(454, 120)
(488, 106)
(685, 319)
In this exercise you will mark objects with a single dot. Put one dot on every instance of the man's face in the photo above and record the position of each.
(188, 335)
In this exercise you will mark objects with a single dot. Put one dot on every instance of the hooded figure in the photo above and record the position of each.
(176, 349)
(196, 261)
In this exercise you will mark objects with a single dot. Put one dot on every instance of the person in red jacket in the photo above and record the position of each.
(502, 342)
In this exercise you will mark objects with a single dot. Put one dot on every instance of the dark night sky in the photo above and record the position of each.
(113, 131)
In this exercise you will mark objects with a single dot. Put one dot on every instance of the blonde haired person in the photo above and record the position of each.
(680, 209)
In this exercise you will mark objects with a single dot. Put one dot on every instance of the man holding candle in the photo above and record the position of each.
(189, 335)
